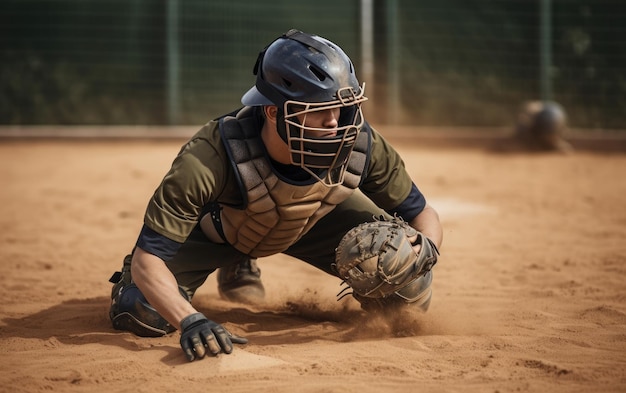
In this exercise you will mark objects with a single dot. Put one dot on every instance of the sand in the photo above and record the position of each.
(529, 292)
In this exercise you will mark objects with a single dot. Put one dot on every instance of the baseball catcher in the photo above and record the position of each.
(386, 262)
(291, 171)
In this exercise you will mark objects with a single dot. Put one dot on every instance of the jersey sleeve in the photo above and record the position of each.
(388, 184)
(157, 244)
(197, 176)
(411, 206)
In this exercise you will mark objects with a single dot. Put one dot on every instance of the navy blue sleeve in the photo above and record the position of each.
(411, 206)
(157, 244)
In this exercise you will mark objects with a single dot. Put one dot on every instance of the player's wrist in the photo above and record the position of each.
(192, 320)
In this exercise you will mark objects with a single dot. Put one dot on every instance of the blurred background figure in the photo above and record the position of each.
(542, 126)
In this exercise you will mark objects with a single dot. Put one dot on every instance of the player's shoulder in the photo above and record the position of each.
(207, 141)
(208, 134)
(203, 153)
(375, 135)
(380, 146)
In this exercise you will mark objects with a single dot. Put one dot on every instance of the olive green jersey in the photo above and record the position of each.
(201, 174)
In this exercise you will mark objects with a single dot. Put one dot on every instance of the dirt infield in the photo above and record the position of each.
(529, 294)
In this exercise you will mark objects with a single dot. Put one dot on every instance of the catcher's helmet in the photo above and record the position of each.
(550, 119)
(301, 74)
(542, 125)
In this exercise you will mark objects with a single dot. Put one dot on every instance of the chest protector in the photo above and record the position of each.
(276, 212)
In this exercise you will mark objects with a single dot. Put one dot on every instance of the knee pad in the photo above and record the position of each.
(417, 293)
(130, 311)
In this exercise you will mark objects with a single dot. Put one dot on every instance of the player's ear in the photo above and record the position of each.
(271, 112)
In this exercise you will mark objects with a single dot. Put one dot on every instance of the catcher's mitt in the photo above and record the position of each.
(377, 258)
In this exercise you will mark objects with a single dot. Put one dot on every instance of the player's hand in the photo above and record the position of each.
(200, 335)
(417, 247)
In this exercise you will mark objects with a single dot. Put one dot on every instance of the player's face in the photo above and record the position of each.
(324, 122)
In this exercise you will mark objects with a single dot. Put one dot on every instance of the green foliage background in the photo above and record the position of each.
(461, 62)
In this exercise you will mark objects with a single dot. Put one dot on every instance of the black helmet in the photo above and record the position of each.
(302, 73)
(550, 119)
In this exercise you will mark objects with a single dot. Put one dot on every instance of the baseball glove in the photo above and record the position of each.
(377, 258)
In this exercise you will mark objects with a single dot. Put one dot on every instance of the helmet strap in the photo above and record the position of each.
(281, 125)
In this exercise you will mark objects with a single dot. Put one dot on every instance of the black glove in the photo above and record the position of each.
(199, 333)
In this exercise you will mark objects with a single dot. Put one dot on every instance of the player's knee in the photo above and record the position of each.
(130, 311)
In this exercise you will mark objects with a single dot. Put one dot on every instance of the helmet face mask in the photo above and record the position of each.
(323, 152)
(304, 75)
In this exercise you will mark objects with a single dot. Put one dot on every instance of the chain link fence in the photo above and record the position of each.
(435, 63)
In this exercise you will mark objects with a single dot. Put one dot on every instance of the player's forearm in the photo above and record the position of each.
(159, 287)
(427, 222)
